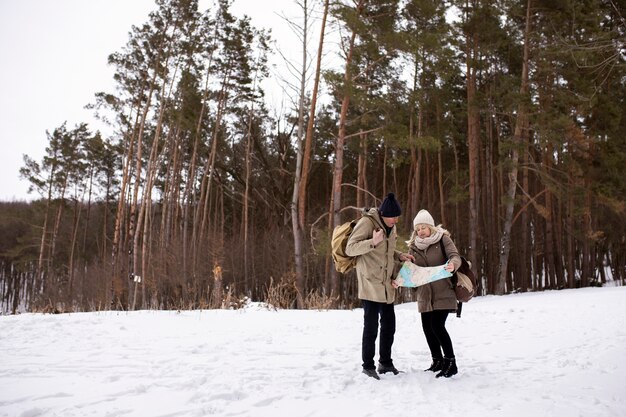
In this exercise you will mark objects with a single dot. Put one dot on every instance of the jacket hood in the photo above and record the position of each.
(373, 214)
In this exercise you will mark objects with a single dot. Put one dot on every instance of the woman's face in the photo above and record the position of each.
(423, 231)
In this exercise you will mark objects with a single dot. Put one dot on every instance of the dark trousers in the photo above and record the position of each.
(437, 337)
(371, 311)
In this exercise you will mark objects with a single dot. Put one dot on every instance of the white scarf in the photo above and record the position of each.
(422, 244)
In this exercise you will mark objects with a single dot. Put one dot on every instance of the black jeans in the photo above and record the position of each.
(437, 337)
(371, 311)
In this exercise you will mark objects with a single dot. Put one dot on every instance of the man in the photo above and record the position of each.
(373, 242)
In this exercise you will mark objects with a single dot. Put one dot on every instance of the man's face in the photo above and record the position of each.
(391, 221)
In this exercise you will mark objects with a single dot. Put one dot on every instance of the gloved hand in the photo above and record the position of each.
(378, 236)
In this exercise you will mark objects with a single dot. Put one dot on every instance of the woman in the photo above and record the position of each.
(429, 245)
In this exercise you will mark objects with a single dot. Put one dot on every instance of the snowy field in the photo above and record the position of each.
(558, 353)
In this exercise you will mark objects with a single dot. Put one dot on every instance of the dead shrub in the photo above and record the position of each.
(282, 294)
(317, 300)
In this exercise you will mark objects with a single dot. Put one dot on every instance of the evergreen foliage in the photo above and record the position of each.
(199, 172)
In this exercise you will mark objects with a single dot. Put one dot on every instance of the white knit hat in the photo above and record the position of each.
(423, 217)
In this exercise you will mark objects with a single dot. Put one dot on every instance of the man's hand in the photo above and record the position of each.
(406, 257)
(377, 237)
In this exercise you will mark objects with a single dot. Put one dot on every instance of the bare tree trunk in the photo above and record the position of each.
(146, 201)
(40, 281)
(134, 237)
(473, 144)
(75, 227)
(171, 193)
(300, 177)
(457, 209)
(55, 232)
(207, 179)
(246, 197)
(335, 217)
(105, 220)
(558, 242)
(145, 250)
(421, 186)
(571, 268)
(362, 172)
(492, 179)
(306, 157)
(138, 170)
(473, 138)
(116, 282)
(526, 252)
(57, 225)
(588, 240)
(384, 167)
(521, 126)
(549, 236)
(414, 172)
(190, 198)
(442, 201)
(85, 229)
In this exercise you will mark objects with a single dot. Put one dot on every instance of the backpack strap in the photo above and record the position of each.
(371, 219)
(443, 249)
(459, 305)
(445, 255)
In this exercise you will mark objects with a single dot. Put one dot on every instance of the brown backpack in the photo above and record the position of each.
(341, 234)
(464, 281)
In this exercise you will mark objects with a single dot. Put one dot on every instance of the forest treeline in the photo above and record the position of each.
(505, 119)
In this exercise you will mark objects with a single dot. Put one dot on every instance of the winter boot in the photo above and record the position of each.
(383, 369)
(449, 368)
(437, 365)
(371, 373)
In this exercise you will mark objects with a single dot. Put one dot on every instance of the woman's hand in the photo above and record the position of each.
(449, 266)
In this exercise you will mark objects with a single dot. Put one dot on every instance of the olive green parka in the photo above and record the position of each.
(375, 265)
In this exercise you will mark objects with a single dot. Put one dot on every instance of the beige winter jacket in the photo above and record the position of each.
(438, 295)
(375, 264)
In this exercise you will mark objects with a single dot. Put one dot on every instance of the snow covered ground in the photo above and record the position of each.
(557, 353)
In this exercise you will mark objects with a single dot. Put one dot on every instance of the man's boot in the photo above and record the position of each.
(371, 373)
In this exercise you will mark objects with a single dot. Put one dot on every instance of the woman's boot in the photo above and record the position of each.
(449, 368)
(437, 365)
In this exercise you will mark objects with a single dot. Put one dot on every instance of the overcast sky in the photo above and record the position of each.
(54, 58)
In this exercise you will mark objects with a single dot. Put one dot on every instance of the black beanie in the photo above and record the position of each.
(390, 206)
